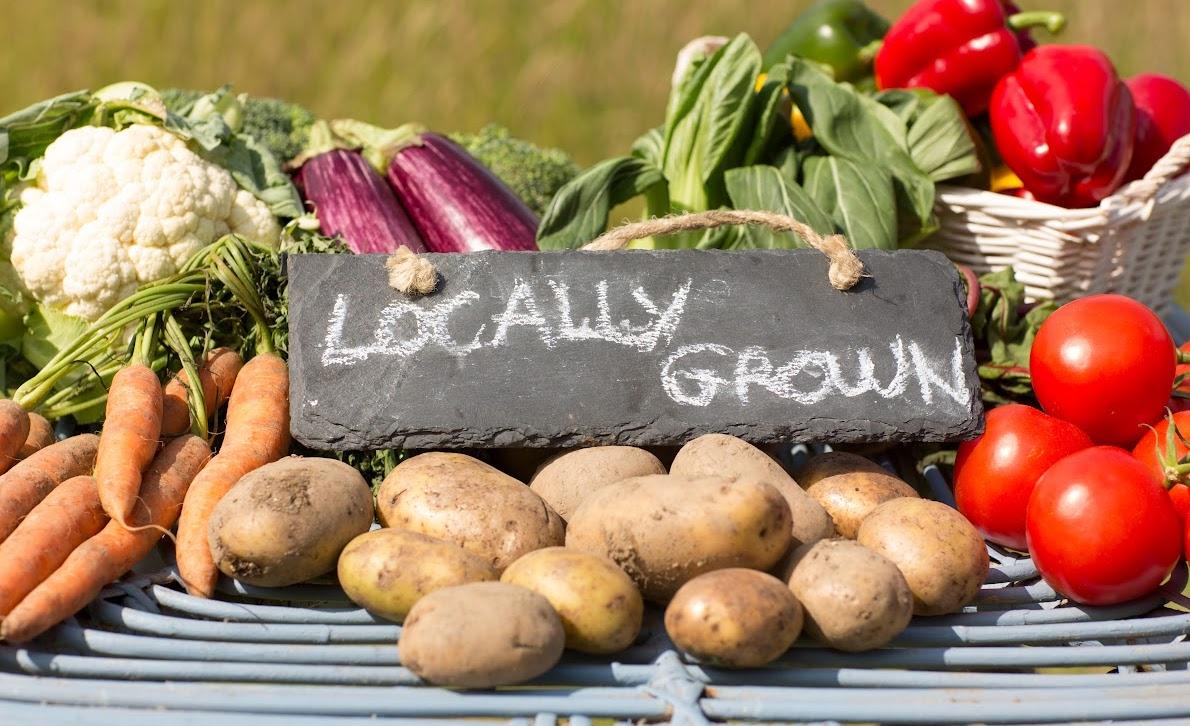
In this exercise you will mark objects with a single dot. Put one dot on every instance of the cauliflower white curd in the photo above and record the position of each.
(113, 210)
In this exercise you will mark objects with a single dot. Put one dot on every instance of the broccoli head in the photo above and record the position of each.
(534, 174)
(283, 127)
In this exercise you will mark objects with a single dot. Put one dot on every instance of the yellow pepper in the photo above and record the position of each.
(1003, 179)
(797, 122)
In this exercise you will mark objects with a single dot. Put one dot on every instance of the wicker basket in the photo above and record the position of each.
(1134, 243)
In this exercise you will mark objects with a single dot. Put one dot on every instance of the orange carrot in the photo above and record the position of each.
(131, 428)
(218, 373)
(111, 553)
(67, 517)
(27, 483)
(41, 435)
(14, 429)
(257, 433)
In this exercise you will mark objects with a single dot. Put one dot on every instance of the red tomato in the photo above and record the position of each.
(1104, 363)
(1150, 451)
(995, 473)
(1101, 528)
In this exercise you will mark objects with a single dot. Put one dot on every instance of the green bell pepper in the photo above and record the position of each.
(836, 33)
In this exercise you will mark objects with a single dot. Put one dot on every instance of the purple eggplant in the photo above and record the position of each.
(454, 201)
(351, 200)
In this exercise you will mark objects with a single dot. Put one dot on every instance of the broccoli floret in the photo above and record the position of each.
(533, 173)
(281, 126)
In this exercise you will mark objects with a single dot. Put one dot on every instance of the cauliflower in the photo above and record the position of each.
(112, 210)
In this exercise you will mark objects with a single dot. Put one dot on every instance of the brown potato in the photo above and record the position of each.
(461, 499)
(387, 571)
(721, 455)
(734, 618)
(600, 607)
(565, 480)
(665, 530)
(939, 552)
(853, 598)
(288, 521)
(481, 635)
(849, 487)
(521, 463)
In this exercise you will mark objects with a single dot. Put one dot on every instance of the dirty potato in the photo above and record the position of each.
(722, 455)
(460, 499)
(939, 552)
(565, 480)
(665, 530)
(849, 487)
(288, 521)
(853, 598)
(386, 571)
(599, 605)
(734, 618)
(481, 635)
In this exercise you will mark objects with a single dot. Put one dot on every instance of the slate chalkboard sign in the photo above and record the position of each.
(629, 347)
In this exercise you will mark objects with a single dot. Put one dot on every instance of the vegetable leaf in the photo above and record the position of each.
(708, 124)
(24, 135)
(859, 198)
(650, 146)
(897, 127)
(764, 187)
(846, 127)
(48, 332)
(249, 162)
(940, 140)
(578, 212)
(904, 102)
(1004, 330)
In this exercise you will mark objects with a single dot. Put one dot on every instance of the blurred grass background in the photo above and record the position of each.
(586, 75)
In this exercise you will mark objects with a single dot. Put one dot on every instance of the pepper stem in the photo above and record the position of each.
(1184, 356)
(1053, 22)
(868, 53)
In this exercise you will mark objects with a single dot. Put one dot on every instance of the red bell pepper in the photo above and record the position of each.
(1162, 117)
(958, 47)
(1063, 122)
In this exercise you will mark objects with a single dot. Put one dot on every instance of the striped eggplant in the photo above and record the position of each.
(350, 199)
(456, 204)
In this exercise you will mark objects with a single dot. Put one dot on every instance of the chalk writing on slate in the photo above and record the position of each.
(569, 349)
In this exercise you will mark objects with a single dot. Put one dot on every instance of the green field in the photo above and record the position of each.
(588, 75)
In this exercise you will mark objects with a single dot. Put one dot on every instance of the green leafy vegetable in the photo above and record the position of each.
(940, 141)
(706, 129)
(846, 127)
(533, 173)
(860, 199)
(650, 146)
(13, 306)
(764, 187)
(1004, 328)
(579, 212)
(48, 332)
